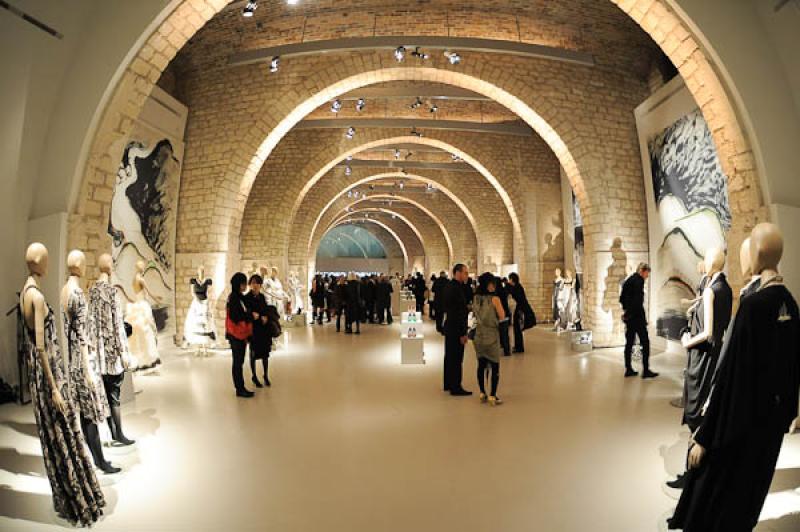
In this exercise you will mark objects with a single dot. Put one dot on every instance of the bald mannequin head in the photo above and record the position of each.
(140, 266)
(76, 263)
(105, 263)
(36, 258)
(766, 248)
(744, 259)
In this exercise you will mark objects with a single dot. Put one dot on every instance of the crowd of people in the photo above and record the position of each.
(356, 300)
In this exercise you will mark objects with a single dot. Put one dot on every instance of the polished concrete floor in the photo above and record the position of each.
(348, 439)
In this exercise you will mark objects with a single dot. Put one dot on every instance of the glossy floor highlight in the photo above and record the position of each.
(348, 439)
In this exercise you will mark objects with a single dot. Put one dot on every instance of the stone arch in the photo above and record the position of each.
(436, 220)
(394, 237)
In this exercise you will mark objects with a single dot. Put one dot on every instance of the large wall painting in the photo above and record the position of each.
(688, 193)
(142, 221)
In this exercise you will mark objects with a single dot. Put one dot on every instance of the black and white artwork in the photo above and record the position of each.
(691, 199)
(142, 220)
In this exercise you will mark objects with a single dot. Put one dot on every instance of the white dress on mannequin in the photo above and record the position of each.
(142, 342)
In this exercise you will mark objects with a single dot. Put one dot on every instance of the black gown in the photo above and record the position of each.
(753, 404)
(261, 340)
(703, 358)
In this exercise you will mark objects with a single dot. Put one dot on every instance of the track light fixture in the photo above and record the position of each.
(415, 133)
(351, 132)
(336, 106)
(420, 55)
(409, 155)
(452, 57)
(394, 217)
(348, 170)
(250, 8)
(401, 185)
(396, 153)
(455, 157)
(434, 108)
(400, 54)
(416, 104)
(275, 64)
(349, 158)
(360, 104)
(429, 188)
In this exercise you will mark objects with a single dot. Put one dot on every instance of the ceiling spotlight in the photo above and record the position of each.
(394, 217)
(400, 54)
(372, 187)
(360, 105)
(409, 155)
(453, 57)
(429, 188)
(349, 158)
(396, 153)
(417, 103)
(349, 193)
(401, 185)
(336, 106)
(351, 132)
(250, 8)
(415, 133)
(420, 55)
(434, 108)
(348, 170)
(275, 64)
(455, 157)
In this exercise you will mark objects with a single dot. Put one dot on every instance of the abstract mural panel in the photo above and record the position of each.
(690, 192)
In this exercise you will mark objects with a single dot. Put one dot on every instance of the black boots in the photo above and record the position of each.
(92, 436)
(115, 424)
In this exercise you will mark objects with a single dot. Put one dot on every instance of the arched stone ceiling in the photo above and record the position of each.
(583, 125)
(392, 243)
(430, 234)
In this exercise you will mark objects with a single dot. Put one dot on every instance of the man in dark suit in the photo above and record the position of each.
(454, 306)
(632, 300)
(438, 293)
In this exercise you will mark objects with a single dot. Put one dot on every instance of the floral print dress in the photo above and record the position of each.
(90, 399)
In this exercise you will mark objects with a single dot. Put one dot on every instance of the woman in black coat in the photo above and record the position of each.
(261, 341)
(317, 294)
(238, 329)
(518, 293)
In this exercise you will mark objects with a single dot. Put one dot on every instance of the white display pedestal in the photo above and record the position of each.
(412, 350)
(412, 341)
(396, 306)
(294, 320)
(580, 341)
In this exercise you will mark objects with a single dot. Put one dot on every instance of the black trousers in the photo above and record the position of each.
(113, 386)
(384, 314)
(339, 313)
(439, 319)
(484, 365)
(421, 305)
(505, 341)
(432, 311)
(634, 328)
(519, 341)
(453, 362)
(238, 348)
(352, 316)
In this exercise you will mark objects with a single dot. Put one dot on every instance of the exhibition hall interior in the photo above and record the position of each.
(474, 265)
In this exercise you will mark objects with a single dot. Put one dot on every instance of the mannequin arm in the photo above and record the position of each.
(39, 313)
(708, 322)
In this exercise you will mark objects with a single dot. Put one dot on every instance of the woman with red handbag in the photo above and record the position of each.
(238, 330)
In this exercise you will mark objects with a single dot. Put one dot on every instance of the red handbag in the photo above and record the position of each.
(241, 330)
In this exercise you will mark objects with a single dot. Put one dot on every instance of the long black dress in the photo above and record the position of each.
(703, 358)
(752, 406)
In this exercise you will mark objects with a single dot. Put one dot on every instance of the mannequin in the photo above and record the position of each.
(84, 367)
(76, 493)
(558, 281)
(754, 281)
(736, 446)
(704, 340)
(566, 303)
(273, 290)
(198, 328)
(296, 293)
(139, 314)
(107, 334)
